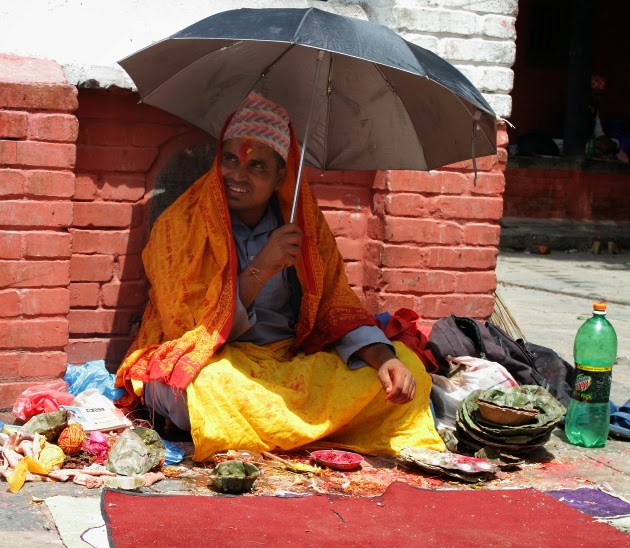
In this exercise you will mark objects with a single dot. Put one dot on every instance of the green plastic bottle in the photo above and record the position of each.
(594, 353)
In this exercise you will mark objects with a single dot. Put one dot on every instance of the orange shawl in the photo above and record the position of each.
(191, 264)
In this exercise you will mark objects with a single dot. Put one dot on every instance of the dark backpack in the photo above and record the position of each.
(460, 336)
(558, 373)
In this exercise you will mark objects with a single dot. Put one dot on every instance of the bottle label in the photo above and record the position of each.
(592, 384)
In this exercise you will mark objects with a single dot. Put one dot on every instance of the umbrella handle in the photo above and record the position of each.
(320, 56)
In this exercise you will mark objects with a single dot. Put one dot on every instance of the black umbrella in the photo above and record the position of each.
(362, 96)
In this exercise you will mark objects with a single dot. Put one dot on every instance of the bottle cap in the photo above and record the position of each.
(600, 307)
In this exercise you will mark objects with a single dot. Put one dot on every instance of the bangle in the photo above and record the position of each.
(256, 273)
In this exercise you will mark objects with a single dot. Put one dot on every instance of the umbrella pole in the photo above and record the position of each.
(320, 56)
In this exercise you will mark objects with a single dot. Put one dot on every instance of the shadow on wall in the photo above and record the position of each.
(177, 175)
(171, 181)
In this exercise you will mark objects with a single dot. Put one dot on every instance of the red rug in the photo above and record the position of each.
(402, 516)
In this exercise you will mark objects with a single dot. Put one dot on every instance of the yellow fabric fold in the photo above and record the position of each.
(260, 398)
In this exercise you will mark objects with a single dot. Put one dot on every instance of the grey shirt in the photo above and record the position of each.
(271, 318)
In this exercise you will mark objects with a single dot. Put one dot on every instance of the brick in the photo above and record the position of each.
(342, 197)
(45, 302)
(363, 178)
(481, 234)
(391, 302)
(152, 135)
(99, 322)
(8, 152)
(85, 187)
(104, 105)
(351, 250)
(84, 295)
(18, 274)
(476, 282)
(462, 257)
(12, 182)
(35, 333)
(38, 96)
(417, 281)
(476, 50)
(409, 15)
(434, 182)
(484, 163)
(407, 205)
(506, 7)
(104, 133)
(114, 242)
(10, 303)
(25, 213)
(441, 306)
(111, 349)
(449, 258)
(13, 124)
(34, 153)
(129, 267)
(125, 295)
(492, 183)
(10, 245)
(53, 127)
(107, 158)
(405, 256)
(347, 225)
(32, 364)
(499, 26)
(466, 208)
(47, 245)
(80, 351)
(425, 231)
(102, 214)
(122, 188)
(354, 272)
(57, 184)
(91, 268)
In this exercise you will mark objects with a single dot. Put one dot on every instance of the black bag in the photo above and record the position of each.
(559, 373)
(460, 336)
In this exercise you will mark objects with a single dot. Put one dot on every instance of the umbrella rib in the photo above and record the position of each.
(393, 90)
(328, 93)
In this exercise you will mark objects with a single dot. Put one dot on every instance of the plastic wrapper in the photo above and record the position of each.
(49, 425)
(174, 454)
(92, 375)
(42, 398)
(130, 455)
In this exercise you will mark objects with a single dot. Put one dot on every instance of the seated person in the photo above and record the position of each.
(252, 337)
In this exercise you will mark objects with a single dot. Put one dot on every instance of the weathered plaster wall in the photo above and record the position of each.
(88, 38)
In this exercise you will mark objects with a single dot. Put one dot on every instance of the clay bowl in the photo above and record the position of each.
(337, 460)
(506, 416)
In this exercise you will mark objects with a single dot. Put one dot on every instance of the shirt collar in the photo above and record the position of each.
(266, 224)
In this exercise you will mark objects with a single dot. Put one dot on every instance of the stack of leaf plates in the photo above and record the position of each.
(513, 420)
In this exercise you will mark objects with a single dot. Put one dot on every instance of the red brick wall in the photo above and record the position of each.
(37, 155)
(72, 288)
(564, 194)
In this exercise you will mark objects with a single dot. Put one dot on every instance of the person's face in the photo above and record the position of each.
(251, 174)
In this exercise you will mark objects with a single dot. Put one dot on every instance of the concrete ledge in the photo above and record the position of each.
(557, 234)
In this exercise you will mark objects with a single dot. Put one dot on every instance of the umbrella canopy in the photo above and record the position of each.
(378, 101)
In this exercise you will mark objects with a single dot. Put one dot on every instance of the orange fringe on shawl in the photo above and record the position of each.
(191, 264)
